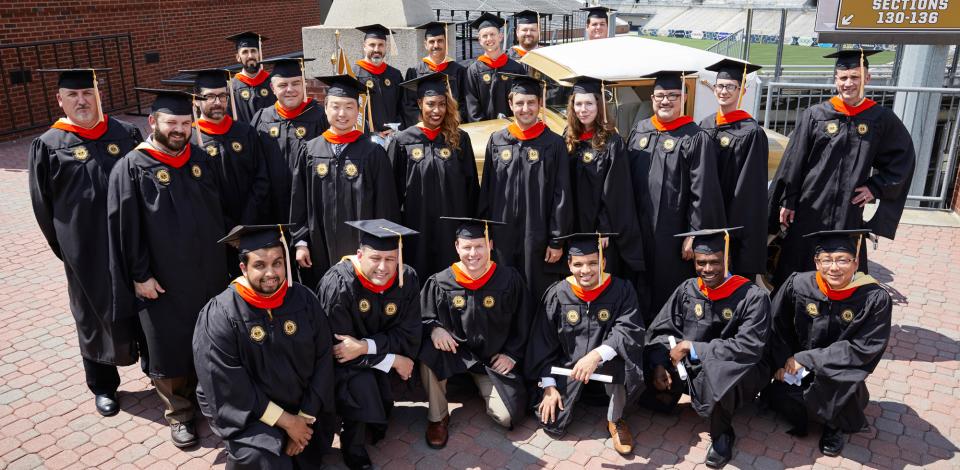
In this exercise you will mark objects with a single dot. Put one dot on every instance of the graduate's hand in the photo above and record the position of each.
(553, 255)
(443, 340)
(586, 366)
(150, 289)
(661, 379)
(687, 251)
(349, 348)
(680, 351)
(303, 257)
(862, 197)
(403, 365)
(502, 364)
(296, 428)
(549, 405)
(792, 366)
(780, 373)
(786, 216)
(292, 448)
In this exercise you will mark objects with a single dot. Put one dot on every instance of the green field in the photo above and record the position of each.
(766, 54)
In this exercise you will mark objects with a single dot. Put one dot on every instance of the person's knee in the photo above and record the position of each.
(500, 415)
(241, 457)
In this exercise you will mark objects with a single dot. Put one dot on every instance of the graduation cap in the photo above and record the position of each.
(247, 39)
(79, 79)
(713, 240)
(175, 102)
(583, 244)
(832, 241)
(851, 58)
(669, 79)
(527, 17)
(524, 84)
(434, 28)
(487, 20)
(247, 238)
(383, 235)
(375, 31)
(343, 86)
(598, 12)
(432, 84)
(287, 67)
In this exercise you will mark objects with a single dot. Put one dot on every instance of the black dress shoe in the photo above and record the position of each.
(831, 441)
(107, 404)
(721, 451)
(357, 462)
(183, 434)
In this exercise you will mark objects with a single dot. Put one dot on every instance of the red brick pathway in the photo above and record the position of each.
(47, 418)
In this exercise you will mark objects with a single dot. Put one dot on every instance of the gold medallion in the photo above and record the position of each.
(322, 169)
(445, 153)
(812, 309)
(573, 317)
(504, 78)
(536, 74)
(587, 157)
(505, 155)
(725, 141)
(300, 132)
(847, 315)
(236, 146)
(196, 171)
(643, 142)
(727, 314)
(364, 305)
(113, 149)
(245, 94)
(274, 131)
(386, 81)
(390, 309)
(862, 129)
(416, 154)
(832, 128)
(533, 155)
(289, 327)
(212, 150)
(163, 176)
(489, 301)
(257, 333)
(459, 301)
(698, 310)
(81, 154)
(486, 77)
(369, 83)
(350, 170)
(603, 315)
(264, 92)
(669, 144)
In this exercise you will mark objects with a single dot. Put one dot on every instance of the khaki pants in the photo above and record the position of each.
(437, 396)
(177, 394)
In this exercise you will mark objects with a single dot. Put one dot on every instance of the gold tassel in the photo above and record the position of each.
(683, 91)
(603, 102)
(196, 120)
(856, 257)
(233, 99)
(260, 51)
(726, 253)
(286, 256)
(303, 80)
(96, 92)
(399, 255)
(369, 112)
(743, 83)
(863, 77)
(603, 263)
(486, 238)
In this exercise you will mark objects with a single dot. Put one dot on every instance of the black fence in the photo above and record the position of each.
(555, 28)
(27, 97)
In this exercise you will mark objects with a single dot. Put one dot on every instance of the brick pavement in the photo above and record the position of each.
(47, 417)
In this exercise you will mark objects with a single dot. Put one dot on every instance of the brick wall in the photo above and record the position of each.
(186, 34)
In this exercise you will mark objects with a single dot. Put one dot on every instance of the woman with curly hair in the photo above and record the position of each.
(436, 175)
(600, 176)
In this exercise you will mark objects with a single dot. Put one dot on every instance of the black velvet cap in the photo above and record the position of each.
(487, 20)
(730, 69)
(434, 28)
(343, 86)
(375, 31)
(527, 17)
(524, 84)
(669, 79)
(709, 241)
(247, 39)
(209, 78)
(833, 241)
(850, 58)
(469, 228)
(585, 85)
(175, 102)
(247, 238)
(74, 79)
(432, 84)
(286, 68)
(381, 234)
(582, 244)
(598, 12)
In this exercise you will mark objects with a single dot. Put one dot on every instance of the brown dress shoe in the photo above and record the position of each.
(621, 435)
(437, 433)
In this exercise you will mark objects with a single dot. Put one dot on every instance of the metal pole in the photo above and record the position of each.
(783, 32)
(745, 53)
(766, 112)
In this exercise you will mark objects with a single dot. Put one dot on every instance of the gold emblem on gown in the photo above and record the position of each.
(459, 301)
(573, 317)
(390, 309)
(603, 315)
(364, 305)
(289, 327)
(489, 301)
(113, 149)
(81, 154)
(257, 333)
(812, 309)
(163, 176)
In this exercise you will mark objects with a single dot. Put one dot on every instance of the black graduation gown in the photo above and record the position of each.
(675, 182)
(433, 180)
(250, 99)
(603, 201)
(742, 152)
(728, 336)
(330, 190)
(829, 155)
(241, 174)
(281, 140)
(290, 365)
(840, 342)
(494, 319)
(457, 74)
(362, 392)
(485, 90)
(68, 189)
(526, 184)
(386, 96)
(167, 231)
(566, 328)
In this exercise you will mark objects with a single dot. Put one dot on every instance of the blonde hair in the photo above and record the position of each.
(601, 131)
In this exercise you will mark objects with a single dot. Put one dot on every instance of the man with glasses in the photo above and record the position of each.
(673, 165)
(829, 330)
(742, 151)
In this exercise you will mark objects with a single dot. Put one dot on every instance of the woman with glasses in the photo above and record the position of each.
(742, 151)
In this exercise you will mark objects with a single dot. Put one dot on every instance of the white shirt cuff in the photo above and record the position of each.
(371, 346)
(606, 352)
(300, 243)
(547, 382)
(385, 365)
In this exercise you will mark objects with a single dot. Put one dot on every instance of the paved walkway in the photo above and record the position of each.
(47, 417)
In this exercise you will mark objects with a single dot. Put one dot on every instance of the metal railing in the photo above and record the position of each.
(555, 28)
(730, 46)
(19, 62)
(783, 103)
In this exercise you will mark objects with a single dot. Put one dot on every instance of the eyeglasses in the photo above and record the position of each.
(222, 97)
(840, 262)
(671, 97)
(730, 87)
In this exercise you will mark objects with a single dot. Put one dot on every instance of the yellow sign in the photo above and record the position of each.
(899, 14)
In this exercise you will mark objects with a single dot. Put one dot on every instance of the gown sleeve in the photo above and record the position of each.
(386, 205)
(40, 193)
(890, 182)
(319, 396)
(746, 346)
(472, 180)
(255, 212)
(543, 348)
(561, 218)
(706, 198)
(619, 207)
(471, 92)
(787, 183)
(298, 197)
(521, 322)
(483, 203)
(783, 337)
(403, 337)
(669, 322)
(129, 255)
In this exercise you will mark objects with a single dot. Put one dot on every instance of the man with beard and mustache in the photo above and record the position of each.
(381, 80)
(487, 85)
(250, 90)
(598, 22)
(164, 220)
(284, 128)
(234, 151)
(69, 167)
(528, 39)
(435, 43)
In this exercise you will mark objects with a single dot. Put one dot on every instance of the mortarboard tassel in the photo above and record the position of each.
(603, 102)
(603, 263)
(859, 241)
(486, 238)
(96, 92)
(399, 255)
(286, 256)
(683, 91)
(233, 99)
(303, 80)
(743, 84)
(196, 125)
(726, 253)
(863, 78)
